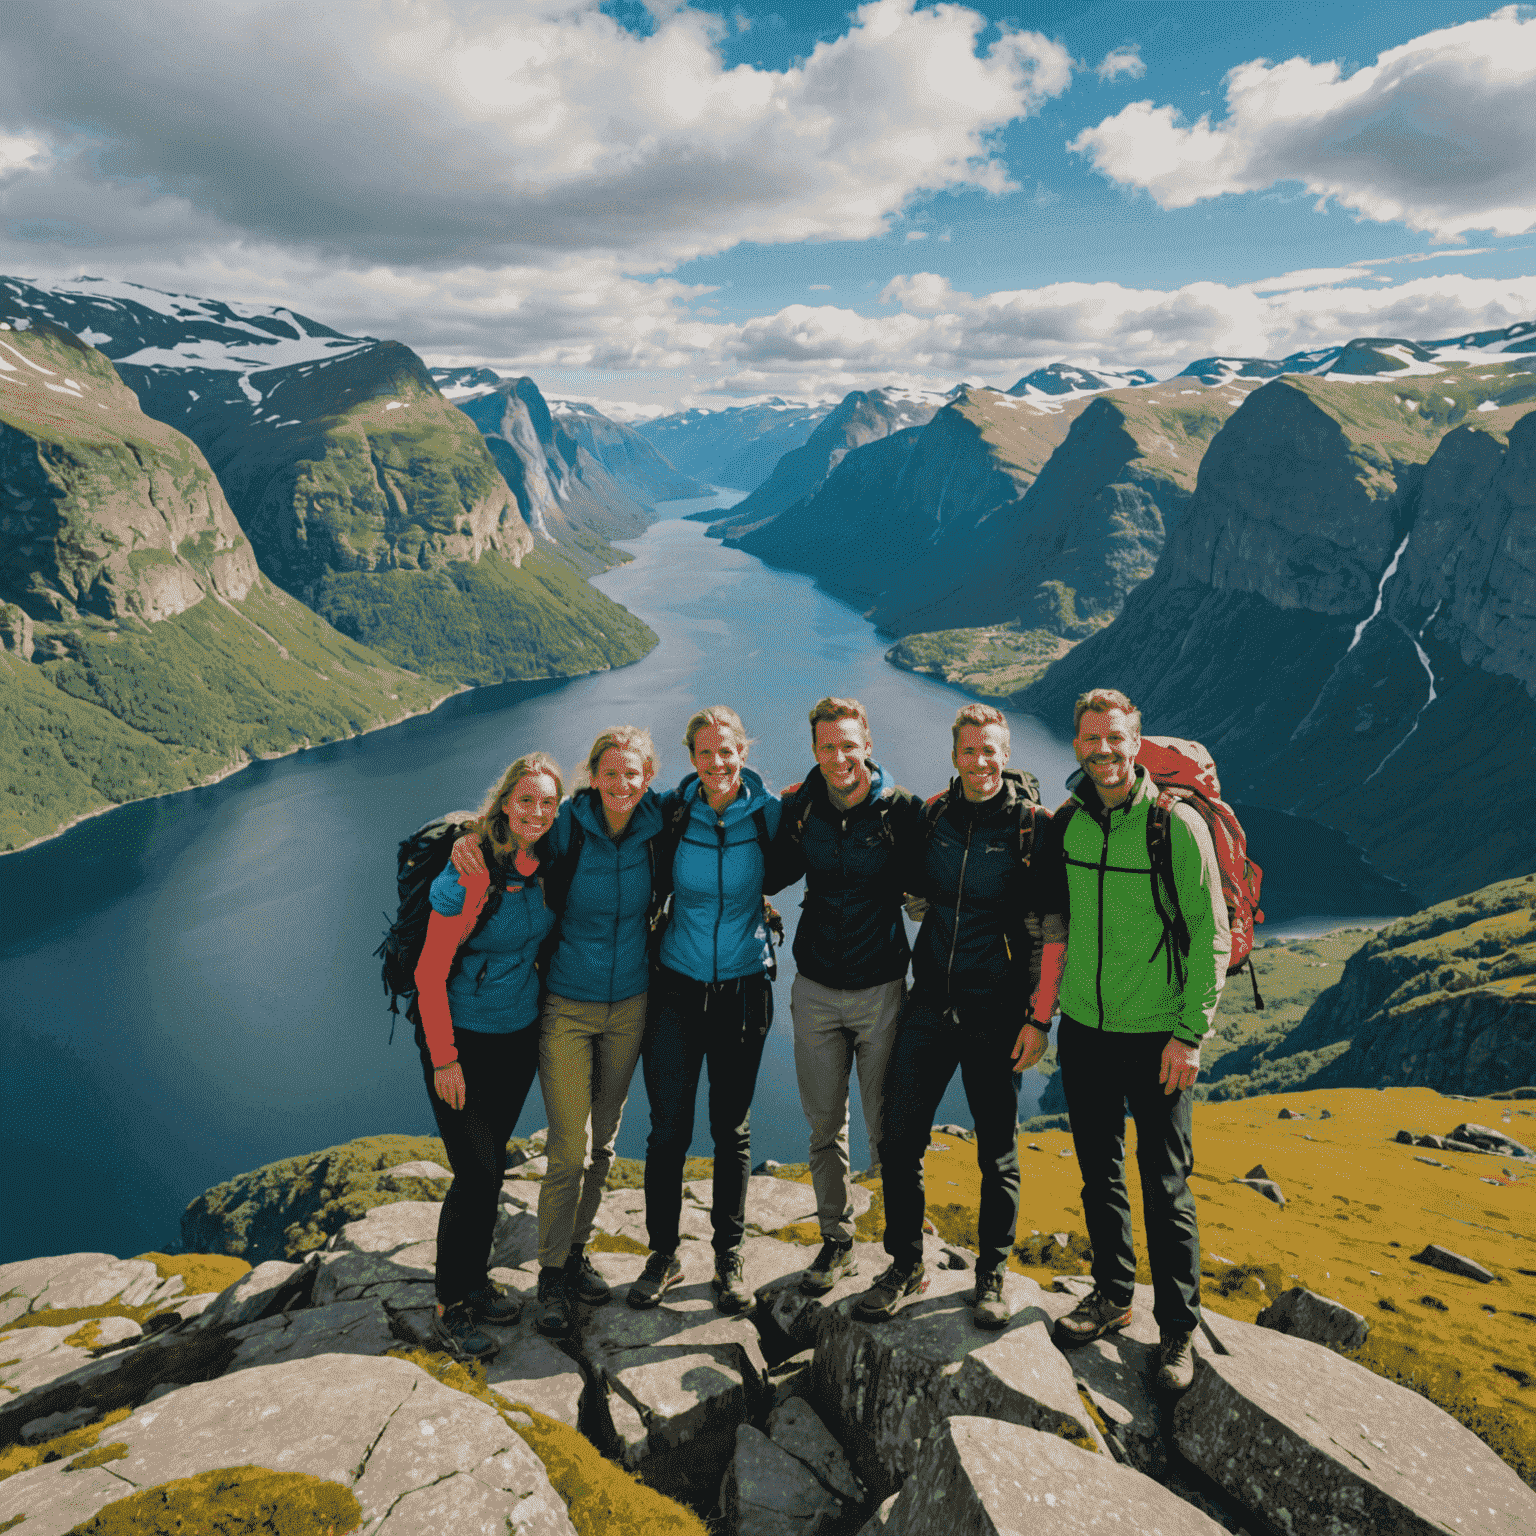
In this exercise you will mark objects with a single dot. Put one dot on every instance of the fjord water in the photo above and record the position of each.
(189, 984)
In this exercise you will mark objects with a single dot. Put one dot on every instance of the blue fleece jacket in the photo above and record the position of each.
(601, 956)
(496, 989)
(717, 931)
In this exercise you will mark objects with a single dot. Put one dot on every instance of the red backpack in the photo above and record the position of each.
(1185, 772)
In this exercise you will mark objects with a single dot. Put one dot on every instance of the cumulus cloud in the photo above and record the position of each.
(1438, 134)
(1122, 61)
(436, 134)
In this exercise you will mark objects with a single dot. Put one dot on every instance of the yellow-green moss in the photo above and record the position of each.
(11, 1524)
(62, 1317)
(87, 1335)
(616, 1242)
(22, 1458)
(99, 1456)
(231, 1501)
(203, 1272)
(603, 1499)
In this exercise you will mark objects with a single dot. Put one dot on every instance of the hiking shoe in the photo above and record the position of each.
(892, 1287)
(495, 1305)
(1177, 1363)
(554, 1320)
(835, 1260)
(988, 1309)
(662, 1271)
(729, 1285)
(1090, 1319)
(582, 1281)
(455, 1332)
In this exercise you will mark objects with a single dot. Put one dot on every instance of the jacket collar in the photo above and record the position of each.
(1086, 792)
(644, 821)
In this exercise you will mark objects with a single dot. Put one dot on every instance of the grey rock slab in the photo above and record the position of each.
(252, 1296)
(1314, 1443)
(516, 1238)
(523, 1193)
(54, 1424)
(774, 1203)
(1453, 1263)
(380, 1427)
(767, 1492)
(349, 1275)
(534, 1371)
(884, 1387)
(34, 1357)
(387, 1228)
(1305, 1315)
(976, 1477)
(1490, 1140)
(80, 1280)
(621, 1213)
(676, 1380)
(420, 1168)
(794, 1427)
(344, 1328)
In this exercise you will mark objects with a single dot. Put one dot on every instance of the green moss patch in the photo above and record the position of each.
(231, 1501)
(99, 1456)
(62, 1317)
(203, 1272)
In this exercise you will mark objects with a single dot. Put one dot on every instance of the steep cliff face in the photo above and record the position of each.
(105, 512)
(737, 447)
(1341, 616)
(865, 416)
(624, 454)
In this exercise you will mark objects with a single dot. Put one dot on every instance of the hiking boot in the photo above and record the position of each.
(729, 1285)
(582, 1281)
(988, 1309)
(834, 1261)
(1090, 1319)
(892, 1287)
(661, 1273)
(1176, 1369)
(495, 1305)
(554, 1320)
(455, 1332)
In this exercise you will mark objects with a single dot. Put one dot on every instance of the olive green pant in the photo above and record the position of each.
(587, 1055)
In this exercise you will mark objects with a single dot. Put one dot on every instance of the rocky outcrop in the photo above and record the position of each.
(1336, 566)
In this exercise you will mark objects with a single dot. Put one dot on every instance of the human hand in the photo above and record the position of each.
(1180, 1066)
(916, 907)
(449, 1084)
(466, 855)
(1029, 1047)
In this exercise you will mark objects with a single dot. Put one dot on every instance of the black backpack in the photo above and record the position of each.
(422, 858)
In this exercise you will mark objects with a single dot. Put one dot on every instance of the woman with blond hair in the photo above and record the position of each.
(710, 1000)
(477, 1007)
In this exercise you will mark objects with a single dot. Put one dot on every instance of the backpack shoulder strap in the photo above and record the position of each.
(1165, 894)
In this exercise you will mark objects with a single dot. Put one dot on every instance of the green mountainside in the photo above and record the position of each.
(1347, 602)
(143, 651)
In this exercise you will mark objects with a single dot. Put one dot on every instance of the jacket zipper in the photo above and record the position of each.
(954, 937)
(1098, 979)
(720, 886)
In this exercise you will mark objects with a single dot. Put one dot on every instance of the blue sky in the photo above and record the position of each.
(650, 205)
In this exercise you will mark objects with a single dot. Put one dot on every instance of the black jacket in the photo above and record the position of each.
(856, 866)
(975, 946)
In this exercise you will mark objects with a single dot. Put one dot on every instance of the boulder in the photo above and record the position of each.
(428, 1458)
(975, 1477)
(1313, 1443)
(1266, 1187)
(672, 1384)
(1406, 1138)
(1437, 1143)
(1489, 1140)
(261, 1292)
(1453, 1263)
(884, 1387)
(768, 1492)
(1305, 1315)
(73, 1280)
(1290, 1114)
(794, 1427)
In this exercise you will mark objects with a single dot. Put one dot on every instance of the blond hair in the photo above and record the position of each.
(831, 710)
(493, 826)
(1100, 700)
(721, 716)
(627, 738)
(981, 715)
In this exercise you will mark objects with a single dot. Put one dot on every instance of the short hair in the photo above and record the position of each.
(981, 715)
(627, 738)
(1101, 699)
(831, 710)
(723, 717)
(492, 824)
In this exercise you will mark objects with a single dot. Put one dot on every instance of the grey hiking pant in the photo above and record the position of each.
(587, 1055)
(832, 1030)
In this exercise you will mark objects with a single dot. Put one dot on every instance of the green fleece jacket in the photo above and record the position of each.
(1116, 976)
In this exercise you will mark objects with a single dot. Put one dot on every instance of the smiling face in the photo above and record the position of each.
(530, 808)
(621, 779)
(1106, 745)
(842, 750)
(980, 755)
(718, 755)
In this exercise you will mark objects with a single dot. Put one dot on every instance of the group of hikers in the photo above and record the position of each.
(542, 957)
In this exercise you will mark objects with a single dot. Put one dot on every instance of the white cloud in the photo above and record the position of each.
(1438, 134)
(1122, 61)
(437, 134)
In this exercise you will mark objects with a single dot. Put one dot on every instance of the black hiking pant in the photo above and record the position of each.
(691, 1023)
(498, 1072)
(930, 1043)
(1101, 1073)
